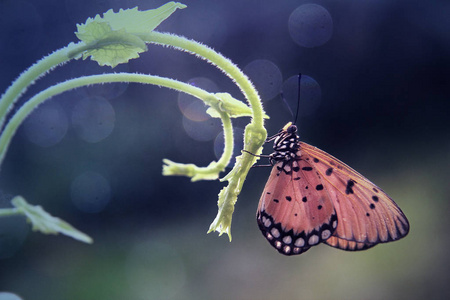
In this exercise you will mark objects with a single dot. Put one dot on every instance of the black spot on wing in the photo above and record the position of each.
(348, 188)
(329, 171)
(319, 187)
(315, 160)
(307, 168)
(288, 198)
(276, 200)
(372, 206)
(375, 198)
(304, 199)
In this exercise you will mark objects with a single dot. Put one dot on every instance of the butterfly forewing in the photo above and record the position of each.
(347, 245)
(366, 214)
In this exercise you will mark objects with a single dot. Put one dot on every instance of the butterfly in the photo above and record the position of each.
(312, 198)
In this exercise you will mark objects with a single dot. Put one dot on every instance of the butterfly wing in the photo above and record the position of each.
(295, 211)
(366, 214)
(347, 245)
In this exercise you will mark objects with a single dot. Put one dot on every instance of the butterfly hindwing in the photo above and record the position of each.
(295, 212)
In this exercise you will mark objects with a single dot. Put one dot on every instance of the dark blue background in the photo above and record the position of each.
(384, 77)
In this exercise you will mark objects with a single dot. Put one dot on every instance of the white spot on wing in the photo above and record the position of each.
(278, 244)
(314, 239)
(334, 224)
(275, 232)
(326, 234)
(287, 239)
(299, 242)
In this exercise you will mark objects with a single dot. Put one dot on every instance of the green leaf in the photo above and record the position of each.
(114, 48)
(45, 223)
(114, 38)
(131, 20)
(134, 21)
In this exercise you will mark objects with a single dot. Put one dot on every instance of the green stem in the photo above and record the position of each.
(30, 105)
(229, 142)
(6, 212)
(28, 77)
(217, 59)
(255, 133)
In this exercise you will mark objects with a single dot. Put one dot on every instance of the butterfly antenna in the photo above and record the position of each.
(286, 103)
(298, 98)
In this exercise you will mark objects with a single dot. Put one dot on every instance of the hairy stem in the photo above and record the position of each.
(28, 77)
(217, 59)
(30, 105)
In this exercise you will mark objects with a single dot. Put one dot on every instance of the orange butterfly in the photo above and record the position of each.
(312, 197)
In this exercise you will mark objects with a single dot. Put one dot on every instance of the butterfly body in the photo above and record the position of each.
(312, 197)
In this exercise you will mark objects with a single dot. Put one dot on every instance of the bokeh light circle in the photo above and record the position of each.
(47, 125)
(9, 296)
(193, 108)
(266, 76)
(93, 119)
(202, 131)
(310, 95)
(238, 145)
(310, 25)
(90, 192)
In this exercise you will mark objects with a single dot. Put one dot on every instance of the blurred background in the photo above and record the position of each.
(375, 94)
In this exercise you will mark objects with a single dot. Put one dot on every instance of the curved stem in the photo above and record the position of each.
(39, 69)
(39, 98)
(255, 133)
(215, 58)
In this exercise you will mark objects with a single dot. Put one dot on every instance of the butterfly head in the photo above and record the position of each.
(289, 128)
